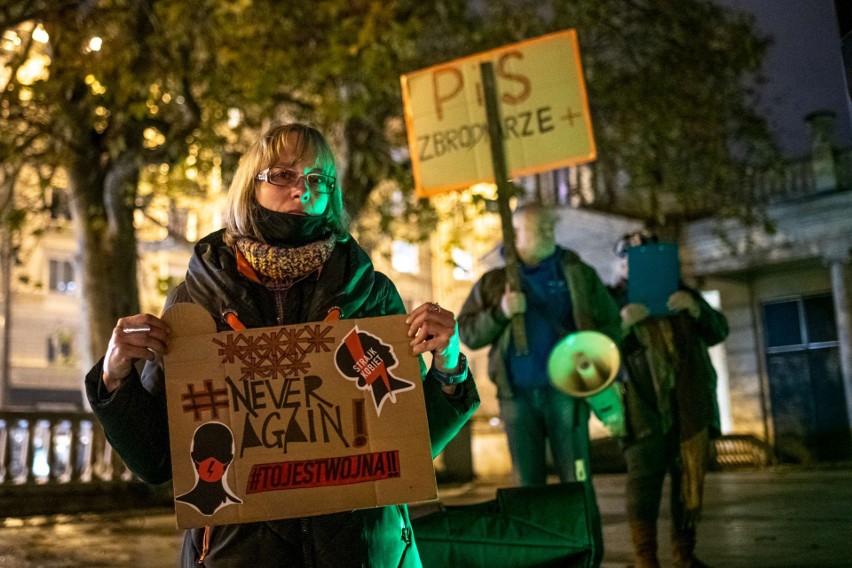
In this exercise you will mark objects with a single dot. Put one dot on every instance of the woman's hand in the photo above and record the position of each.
(142, 336)
(433, 328)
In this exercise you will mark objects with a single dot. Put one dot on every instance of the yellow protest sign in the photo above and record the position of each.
(544, 112)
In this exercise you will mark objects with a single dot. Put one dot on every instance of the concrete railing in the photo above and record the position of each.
(743, 450)
(580, 186)
(60, 463)
(55, 447)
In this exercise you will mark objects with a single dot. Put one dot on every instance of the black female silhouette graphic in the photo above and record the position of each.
(212, 453)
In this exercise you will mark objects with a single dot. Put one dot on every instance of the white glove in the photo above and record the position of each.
(683, 300)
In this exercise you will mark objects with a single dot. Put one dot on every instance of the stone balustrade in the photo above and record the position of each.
(60, 463)
(39, 447)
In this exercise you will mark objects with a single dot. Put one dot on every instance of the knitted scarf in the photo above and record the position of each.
(656, 336)
(281, 267)
(671, 371)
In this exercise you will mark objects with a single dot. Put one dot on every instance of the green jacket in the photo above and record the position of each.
(482, 322)
(135, 422)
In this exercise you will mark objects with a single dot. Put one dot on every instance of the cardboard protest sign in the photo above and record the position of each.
(545, 117)
(285, 422)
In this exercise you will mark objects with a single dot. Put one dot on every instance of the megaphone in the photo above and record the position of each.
(583, 363)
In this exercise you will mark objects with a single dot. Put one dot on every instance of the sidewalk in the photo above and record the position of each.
(773, 518)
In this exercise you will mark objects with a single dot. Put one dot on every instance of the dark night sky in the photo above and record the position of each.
(804, 66)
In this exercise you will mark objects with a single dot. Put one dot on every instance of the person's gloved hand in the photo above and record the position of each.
(631, 314)
(616, 425)
(684, 301)
(513, 302)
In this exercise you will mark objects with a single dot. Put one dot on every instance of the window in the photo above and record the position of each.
(404, 257)
(802, 323)
(60, 347)
(783, 326)
(463, 264)
(820, 324)
(59, 204)
(61, 276)
(806, 386)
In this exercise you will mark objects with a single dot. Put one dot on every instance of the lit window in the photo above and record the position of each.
(178, 221)
(404, 257)
(463, 262)
(62, 276)
(59, 205)
(60, 347)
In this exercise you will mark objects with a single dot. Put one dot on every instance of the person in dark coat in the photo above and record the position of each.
(670, 410)
(284, 257)
(560, 294)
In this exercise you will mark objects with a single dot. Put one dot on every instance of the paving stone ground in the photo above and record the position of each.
(773, 518)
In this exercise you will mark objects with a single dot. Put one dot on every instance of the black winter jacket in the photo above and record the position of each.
(135, 422)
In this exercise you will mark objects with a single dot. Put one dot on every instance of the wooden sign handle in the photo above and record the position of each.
(504, 189)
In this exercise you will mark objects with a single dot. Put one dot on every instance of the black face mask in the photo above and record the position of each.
(287, 230)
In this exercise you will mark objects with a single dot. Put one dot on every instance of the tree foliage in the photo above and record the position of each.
(669, 85)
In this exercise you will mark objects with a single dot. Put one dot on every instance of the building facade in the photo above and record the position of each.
(786, 295)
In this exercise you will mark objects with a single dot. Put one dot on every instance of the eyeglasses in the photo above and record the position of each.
(286, 177)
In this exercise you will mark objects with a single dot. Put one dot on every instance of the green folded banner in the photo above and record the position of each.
(553, 525)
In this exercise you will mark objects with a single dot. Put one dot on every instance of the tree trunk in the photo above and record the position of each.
(103, 216)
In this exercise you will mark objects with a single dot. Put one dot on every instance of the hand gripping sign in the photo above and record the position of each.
(283, 422)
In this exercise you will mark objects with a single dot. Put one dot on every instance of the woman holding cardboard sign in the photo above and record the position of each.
(285, 257)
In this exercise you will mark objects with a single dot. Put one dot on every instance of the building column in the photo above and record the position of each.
(840, 292)
(6, 263)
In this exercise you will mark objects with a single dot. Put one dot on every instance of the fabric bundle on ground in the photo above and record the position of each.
(530, 526)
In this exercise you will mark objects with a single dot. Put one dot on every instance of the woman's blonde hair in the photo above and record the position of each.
(295, 140)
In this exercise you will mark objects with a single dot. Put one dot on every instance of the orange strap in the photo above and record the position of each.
(244, 268)
(232, 320)
(205, 544)
(333, 314)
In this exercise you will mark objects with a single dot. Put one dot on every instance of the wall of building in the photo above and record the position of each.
(751, 266)
(37, 319)
(44, 324)
(45, 327)
(744, 404)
